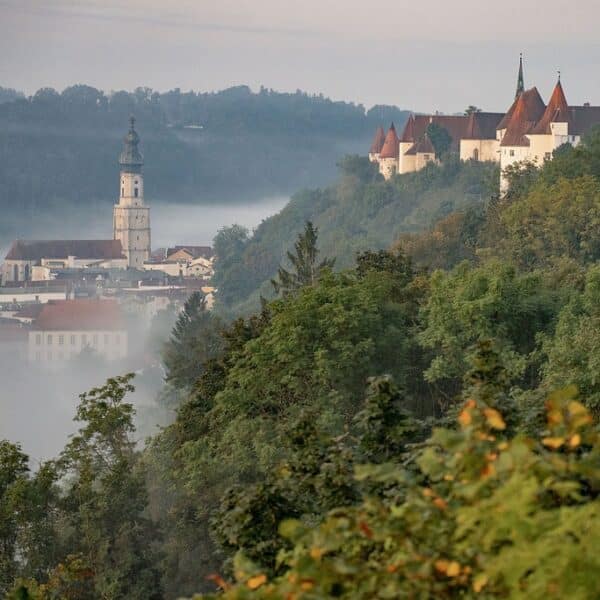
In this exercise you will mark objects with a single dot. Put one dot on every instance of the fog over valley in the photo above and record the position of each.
(37, 407)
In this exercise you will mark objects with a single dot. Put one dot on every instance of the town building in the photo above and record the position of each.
(64, 329)
(529, 131)
(24, 256)
(183, 261)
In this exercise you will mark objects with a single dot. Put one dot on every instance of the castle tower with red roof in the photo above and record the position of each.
(388, 157)
(377, 145)
(528, 131)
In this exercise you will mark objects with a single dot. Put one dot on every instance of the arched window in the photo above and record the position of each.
(476, 154)
(135, 192)
(27, 269)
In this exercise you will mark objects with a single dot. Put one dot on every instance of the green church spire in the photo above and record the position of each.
(520, 79)
(131, 159)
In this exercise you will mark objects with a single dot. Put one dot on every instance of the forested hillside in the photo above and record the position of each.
(421, 424)
(360, 212)
(59, 151)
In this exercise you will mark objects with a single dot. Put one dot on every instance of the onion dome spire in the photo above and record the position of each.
(520, 78)
(131, 158)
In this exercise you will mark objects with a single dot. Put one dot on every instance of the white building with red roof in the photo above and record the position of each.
(64, 329)
(528, 131)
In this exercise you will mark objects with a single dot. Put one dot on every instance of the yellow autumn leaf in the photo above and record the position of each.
(576, 408)
(488, 471)
(453, 569)
(441, 565)
(553, 442)
(494, 418)
(316, 553)
(307, 584)
(575, 440)
(479, 582)
(464, 418)
(255, 582)
(441, 503)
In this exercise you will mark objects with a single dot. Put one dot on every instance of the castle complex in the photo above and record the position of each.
(529, 131)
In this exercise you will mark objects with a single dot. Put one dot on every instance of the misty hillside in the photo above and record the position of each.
(59, 150)
(360, 212)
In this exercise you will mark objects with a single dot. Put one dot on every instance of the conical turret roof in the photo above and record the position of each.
(131, 158)
(557, 111)
(391, 147)
(378, 141)
(527, 111)
(409, 133)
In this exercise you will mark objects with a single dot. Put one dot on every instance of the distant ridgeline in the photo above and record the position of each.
(58, 149)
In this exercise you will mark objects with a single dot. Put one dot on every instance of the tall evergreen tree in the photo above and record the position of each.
(305, 268)
(196, 338)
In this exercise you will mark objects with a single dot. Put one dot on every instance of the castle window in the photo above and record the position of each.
(38, 339)
(49, 340)
(135, 191)
(122, 192)
(476, 154)
(512, 152)
(61, 340)
(548, 156)
(72, 340)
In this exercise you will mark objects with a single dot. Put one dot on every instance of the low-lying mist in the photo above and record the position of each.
(37, 407)
(172, 223)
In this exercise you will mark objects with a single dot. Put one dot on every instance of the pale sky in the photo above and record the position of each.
(436, 55)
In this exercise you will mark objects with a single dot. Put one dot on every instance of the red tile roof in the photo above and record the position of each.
(482, 126)
(378, 141)
(390, 148)
(80, 315)
(194, 251)
(583, 118)
(557, 111)
(424, 146)
(528, 110)
(409, 134)
(38, 249)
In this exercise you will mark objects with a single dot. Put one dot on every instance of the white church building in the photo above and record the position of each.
(34, 260)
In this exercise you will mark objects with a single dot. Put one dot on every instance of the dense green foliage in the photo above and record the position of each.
(361, 212)
(420, 424)
(58, 148)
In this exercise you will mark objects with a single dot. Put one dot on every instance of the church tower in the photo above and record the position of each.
(131, 217)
